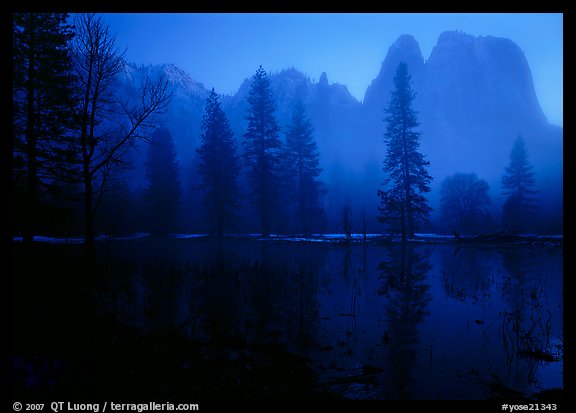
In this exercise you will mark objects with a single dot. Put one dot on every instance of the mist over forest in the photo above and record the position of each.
(287, 240)
(474, 97)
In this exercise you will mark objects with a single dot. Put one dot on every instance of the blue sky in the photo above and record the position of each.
(221, 50)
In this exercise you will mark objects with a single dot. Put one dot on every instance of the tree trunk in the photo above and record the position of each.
(265, 208)
(403, 225)
(220, 220)
(31, 142)
(89, 245)
(32, 196)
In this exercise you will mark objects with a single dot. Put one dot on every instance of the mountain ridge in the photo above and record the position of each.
(472, 93)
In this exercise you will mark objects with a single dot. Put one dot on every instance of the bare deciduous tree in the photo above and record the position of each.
(107, 126)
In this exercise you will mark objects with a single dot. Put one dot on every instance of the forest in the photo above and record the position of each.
(76, 139)
(281, 248)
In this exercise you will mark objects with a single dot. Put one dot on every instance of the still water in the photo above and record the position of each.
(426, 321)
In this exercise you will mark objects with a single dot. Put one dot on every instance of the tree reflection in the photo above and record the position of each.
(225, 293)
(268, 300)
(407, 294)
(527, 320)
(221, 302)
(467, 273)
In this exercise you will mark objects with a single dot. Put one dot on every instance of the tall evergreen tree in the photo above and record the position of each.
(163, 192)
(42, 116)
(219, 166)
(263, 151)
(518, 185)
(302, 168)
(404, 205)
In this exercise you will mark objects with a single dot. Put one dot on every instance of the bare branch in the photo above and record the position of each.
(155, 99)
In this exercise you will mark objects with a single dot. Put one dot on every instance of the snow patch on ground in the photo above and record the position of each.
(187, 236)
(80, 240)
(316, 238)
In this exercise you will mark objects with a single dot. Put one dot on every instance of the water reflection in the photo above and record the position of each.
(407, 294)
(526, 328)
(468, 273)
(375, 322)
(517, 292)
(218, 293)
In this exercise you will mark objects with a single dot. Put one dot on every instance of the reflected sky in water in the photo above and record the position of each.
(385, 322)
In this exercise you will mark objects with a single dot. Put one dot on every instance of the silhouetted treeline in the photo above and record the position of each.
(69, 117)
(77, 139)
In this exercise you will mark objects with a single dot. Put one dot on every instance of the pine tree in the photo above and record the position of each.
(263, 151)
(219, 166)
(404, 205)
(518, 184)
(302, 168)
(42, 116)
(163, 192)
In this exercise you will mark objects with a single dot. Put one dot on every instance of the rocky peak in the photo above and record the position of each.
(492, 70)
(406, 45)
(405, 49)
(323, 82)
